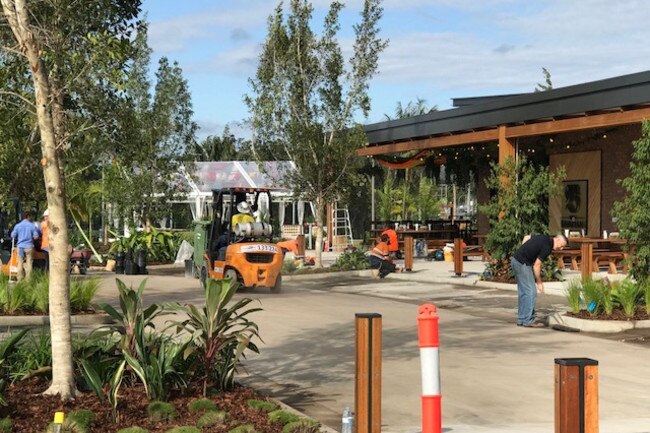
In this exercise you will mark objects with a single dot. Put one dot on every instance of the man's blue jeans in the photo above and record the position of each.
(527, 291)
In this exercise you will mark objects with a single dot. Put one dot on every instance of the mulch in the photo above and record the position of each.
(32, 412)
(617, 314)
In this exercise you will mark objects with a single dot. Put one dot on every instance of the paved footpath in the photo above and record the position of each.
(496, 377)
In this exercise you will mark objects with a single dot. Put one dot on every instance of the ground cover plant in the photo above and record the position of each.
(31, 295)
(626, 299)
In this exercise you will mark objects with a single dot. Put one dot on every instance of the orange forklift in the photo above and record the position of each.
(239, 245)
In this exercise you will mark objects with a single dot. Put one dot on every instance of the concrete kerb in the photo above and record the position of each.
(326, 275)
(599, 326)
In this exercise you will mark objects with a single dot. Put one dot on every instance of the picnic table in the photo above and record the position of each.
(592, 253)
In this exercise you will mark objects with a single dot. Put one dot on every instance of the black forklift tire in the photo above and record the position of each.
(277, 288)
(203, 276)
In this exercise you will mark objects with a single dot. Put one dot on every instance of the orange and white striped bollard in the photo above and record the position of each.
(429, 343)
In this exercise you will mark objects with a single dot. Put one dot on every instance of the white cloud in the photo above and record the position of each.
(577, 41)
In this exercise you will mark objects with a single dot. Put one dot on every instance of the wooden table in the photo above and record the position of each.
(588, 264)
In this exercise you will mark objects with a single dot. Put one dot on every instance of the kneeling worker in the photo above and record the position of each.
(379, 259)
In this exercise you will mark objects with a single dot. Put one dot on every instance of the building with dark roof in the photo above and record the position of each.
(587, 128)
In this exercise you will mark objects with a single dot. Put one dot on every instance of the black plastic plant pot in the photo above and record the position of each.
(119, 263)
(141, 261)
(130, 267)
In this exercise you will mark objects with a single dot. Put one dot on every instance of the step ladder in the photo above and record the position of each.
(341, 227)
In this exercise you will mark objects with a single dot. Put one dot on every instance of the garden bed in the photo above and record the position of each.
(617, 314)
(31, 411)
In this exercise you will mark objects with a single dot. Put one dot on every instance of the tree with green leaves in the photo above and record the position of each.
(518, 207)
(214, 148)
(155, 141)
(59, 52)
(632, 213)
(305, 97)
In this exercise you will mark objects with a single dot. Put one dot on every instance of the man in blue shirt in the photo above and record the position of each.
(25, 233)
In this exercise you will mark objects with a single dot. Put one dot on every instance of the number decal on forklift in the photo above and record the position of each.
(259, 247)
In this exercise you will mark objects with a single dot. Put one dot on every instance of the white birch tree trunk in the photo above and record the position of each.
(320, 211)
(17, 15)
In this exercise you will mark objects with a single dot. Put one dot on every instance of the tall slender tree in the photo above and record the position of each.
(304, 100)
(66, 49)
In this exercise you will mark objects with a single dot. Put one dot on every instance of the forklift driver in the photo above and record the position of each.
(243, 216)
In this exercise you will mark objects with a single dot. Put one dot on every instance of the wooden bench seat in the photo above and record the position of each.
(612, 259)
(571, 254)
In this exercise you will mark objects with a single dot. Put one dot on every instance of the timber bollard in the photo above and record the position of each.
(429, 343)
(587, 260)
(576, 395)
(408, 253)
(367, 391)
(458, 257)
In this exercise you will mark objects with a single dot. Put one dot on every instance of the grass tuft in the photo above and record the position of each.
(6, 425)
(302, 426)
(212, 418)
(244, 428)
(283, 417)
(133, 430)
(262, 405)
(202, 405)
(161, 411)
(184, 429)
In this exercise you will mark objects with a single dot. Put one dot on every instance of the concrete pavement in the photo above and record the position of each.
(496, 377)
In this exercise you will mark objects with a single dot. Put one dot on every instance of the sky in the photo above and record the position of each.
(438, 49)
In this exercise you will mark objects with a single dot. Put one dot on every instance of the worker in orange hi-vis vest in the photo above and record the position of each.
(379, 257)
(393, 244)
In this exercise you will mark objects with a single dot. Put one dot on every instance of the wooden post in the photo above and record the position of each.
(576, 395)
(408, 253)
(587, 258)
(458, 257)
(300, 240)
(367, 393)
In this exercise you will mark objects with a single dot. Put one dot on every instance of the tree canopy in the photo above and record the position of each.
(304, 98)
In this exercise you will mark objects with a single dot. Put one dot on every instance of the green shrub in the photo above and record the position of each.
(16, 297)
(202, 405)
(283, 417)
(222, 332)
(262, 405)
(6, 425)
(212, 418)
(40, 296)
(302, 426)
(34, 353)
(184, 429)
(244, 428)
(161, 411)
(627, 294)
(593, 291)
(133, 430)
(519, 207)
(574, 296)
(289, 266)
(82, 292)
(83, 417)
(351, 260)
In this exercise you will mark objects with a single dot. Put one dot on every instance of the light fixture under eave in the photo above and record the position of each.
(550, 140)
(604, 135)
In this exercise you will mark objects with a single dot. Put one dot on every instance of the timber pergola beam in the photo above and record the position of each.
(503, 133)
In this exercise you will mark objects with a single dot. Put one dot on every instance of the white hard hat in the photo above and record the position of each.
(243, 207)
(46, 213)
